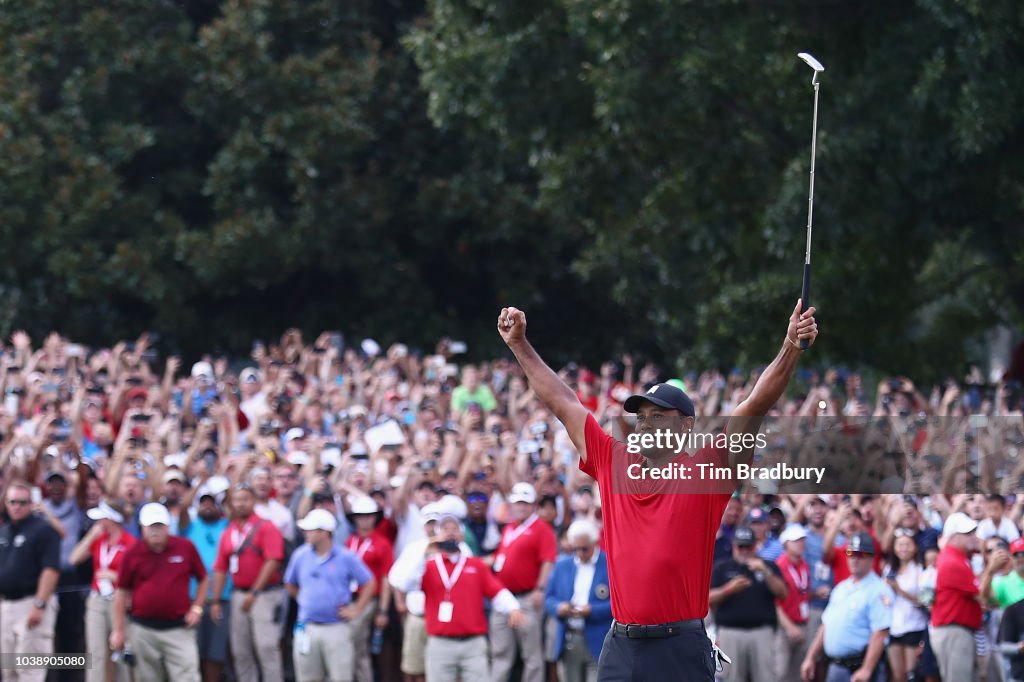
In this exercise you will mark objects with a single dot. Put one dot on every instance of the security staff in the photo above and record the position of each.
(744, 588)
(856, 621)
(155, 576)
(579, 599)
(251, 550)
(319, 577)
(29, 571)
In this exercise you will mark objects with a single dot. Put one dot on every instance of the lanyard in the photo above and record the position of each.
(800, 578)
(360, 548)
(511, 536)
(449, 580)
(238, 537)
(107, 554)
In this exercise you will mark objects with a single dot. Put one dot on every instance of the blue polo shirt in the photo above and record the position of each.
(854, 611)
(324, 582)
(206, 537)
(821, 573)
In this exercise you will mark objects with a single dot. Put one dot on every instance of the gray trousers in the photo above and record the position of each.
(451, 660)
(954, 652)
(752, 652)
(255, 636)
(504, 640)
(576, 664)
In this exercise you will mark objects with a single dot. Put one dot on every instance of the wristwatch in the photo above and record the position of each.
(39, 603)
(197, 609)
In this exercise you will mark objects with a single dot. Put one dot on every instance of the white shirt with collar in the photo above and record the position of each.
(581, 587)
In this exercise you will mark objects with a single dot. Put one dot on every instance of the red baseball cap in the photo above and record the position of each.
(1017, 546)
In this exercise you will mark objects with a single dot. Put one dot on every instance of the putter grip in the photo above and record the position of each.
(805, 299)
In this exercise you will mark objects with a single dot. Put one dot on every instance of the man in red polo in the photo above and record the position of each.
(794, 609)
(251, 550)
(156, 574)
(956, 613)
(522, 562)
(659, 546)
(454, 586)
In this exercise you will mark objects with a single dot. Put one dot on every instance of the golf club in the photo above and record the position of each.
(805, 294)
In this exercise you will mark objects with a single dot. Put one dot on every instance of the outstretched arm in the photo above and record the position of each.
(773, 381)
(546, 385)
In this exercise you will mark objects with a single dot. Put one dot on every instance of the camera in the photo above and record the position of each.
(426, 465)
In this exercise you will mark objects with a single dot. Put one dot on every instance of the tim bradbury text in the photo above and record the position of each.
(712, 472)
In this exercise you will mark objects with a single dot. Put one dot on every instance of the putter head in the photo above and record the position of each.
(811, 61)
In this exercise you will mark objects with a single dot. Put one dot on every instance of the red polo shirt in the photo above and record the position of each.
(103, 550)
(376, 552)
(159, 582)
(467, 597)
(798, 583)
(956, 591)
(659, 535)
(525, 546)
(267, 543)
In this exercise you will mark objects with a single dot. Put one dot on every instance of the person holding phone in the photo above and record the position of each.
(454, 586)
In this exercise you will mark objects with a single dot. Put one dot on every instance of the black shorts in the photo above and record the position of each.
(687, 656)
(908, 638)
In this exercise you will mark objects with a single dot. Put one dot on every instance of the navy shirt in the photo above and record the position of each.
(750, 608)
(325, 583)
(26, 548)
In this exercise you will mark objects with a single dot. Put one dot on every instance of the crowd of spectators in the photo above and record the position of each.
(379, 450)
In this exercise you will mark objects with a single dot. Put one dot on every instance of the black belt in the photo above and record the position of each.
(16, 597)
(851, 663)
(659, 631)
(248, 590)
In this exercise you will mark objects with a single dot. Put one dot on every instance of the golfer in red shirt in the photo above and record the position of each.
(659, 546)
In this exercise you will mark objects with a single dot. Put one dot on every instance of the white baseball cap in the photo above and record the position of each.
(175, 475)
(957, 523)
(105, 511)
(319, 519)
(792, 533)
(522, 492)
(363, 505)
(430, 512)
(294, 434)
(154, 513)
(202, 368)
(452, 505)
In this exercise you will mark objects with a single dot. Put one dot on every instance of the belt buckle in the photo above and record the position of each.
(640, 631)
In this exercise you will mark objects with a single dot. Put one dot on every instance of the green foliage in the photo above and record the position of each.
(633, 173)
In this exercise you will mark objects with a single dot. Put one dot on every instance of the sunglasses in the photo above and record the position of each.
(856, 555)
(904, 533)
(1018, 555)
(19, 503)
(580, 550)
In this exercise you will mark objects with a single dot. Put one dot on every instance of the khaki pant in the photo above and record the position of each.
(450, 660)
(255, 636)
(954, 652)
(360, 629)
(164, 654)
(789, 654)
(577, 664)
(504, 640)
(752, 652)
(99, 622)
(16, 638)
(414, 644)
(329, 656)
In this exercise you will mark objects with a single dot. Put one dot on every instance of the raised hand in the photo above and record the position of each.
(512, 325)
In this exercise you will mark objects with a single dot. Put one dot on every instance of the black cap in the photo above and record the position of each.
(662, 395)
(861, 542)
(56, 474)
(743, 537)
(321, 498)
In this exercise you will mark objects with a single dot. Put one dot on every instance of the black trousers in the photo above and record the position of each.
(687, 656)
